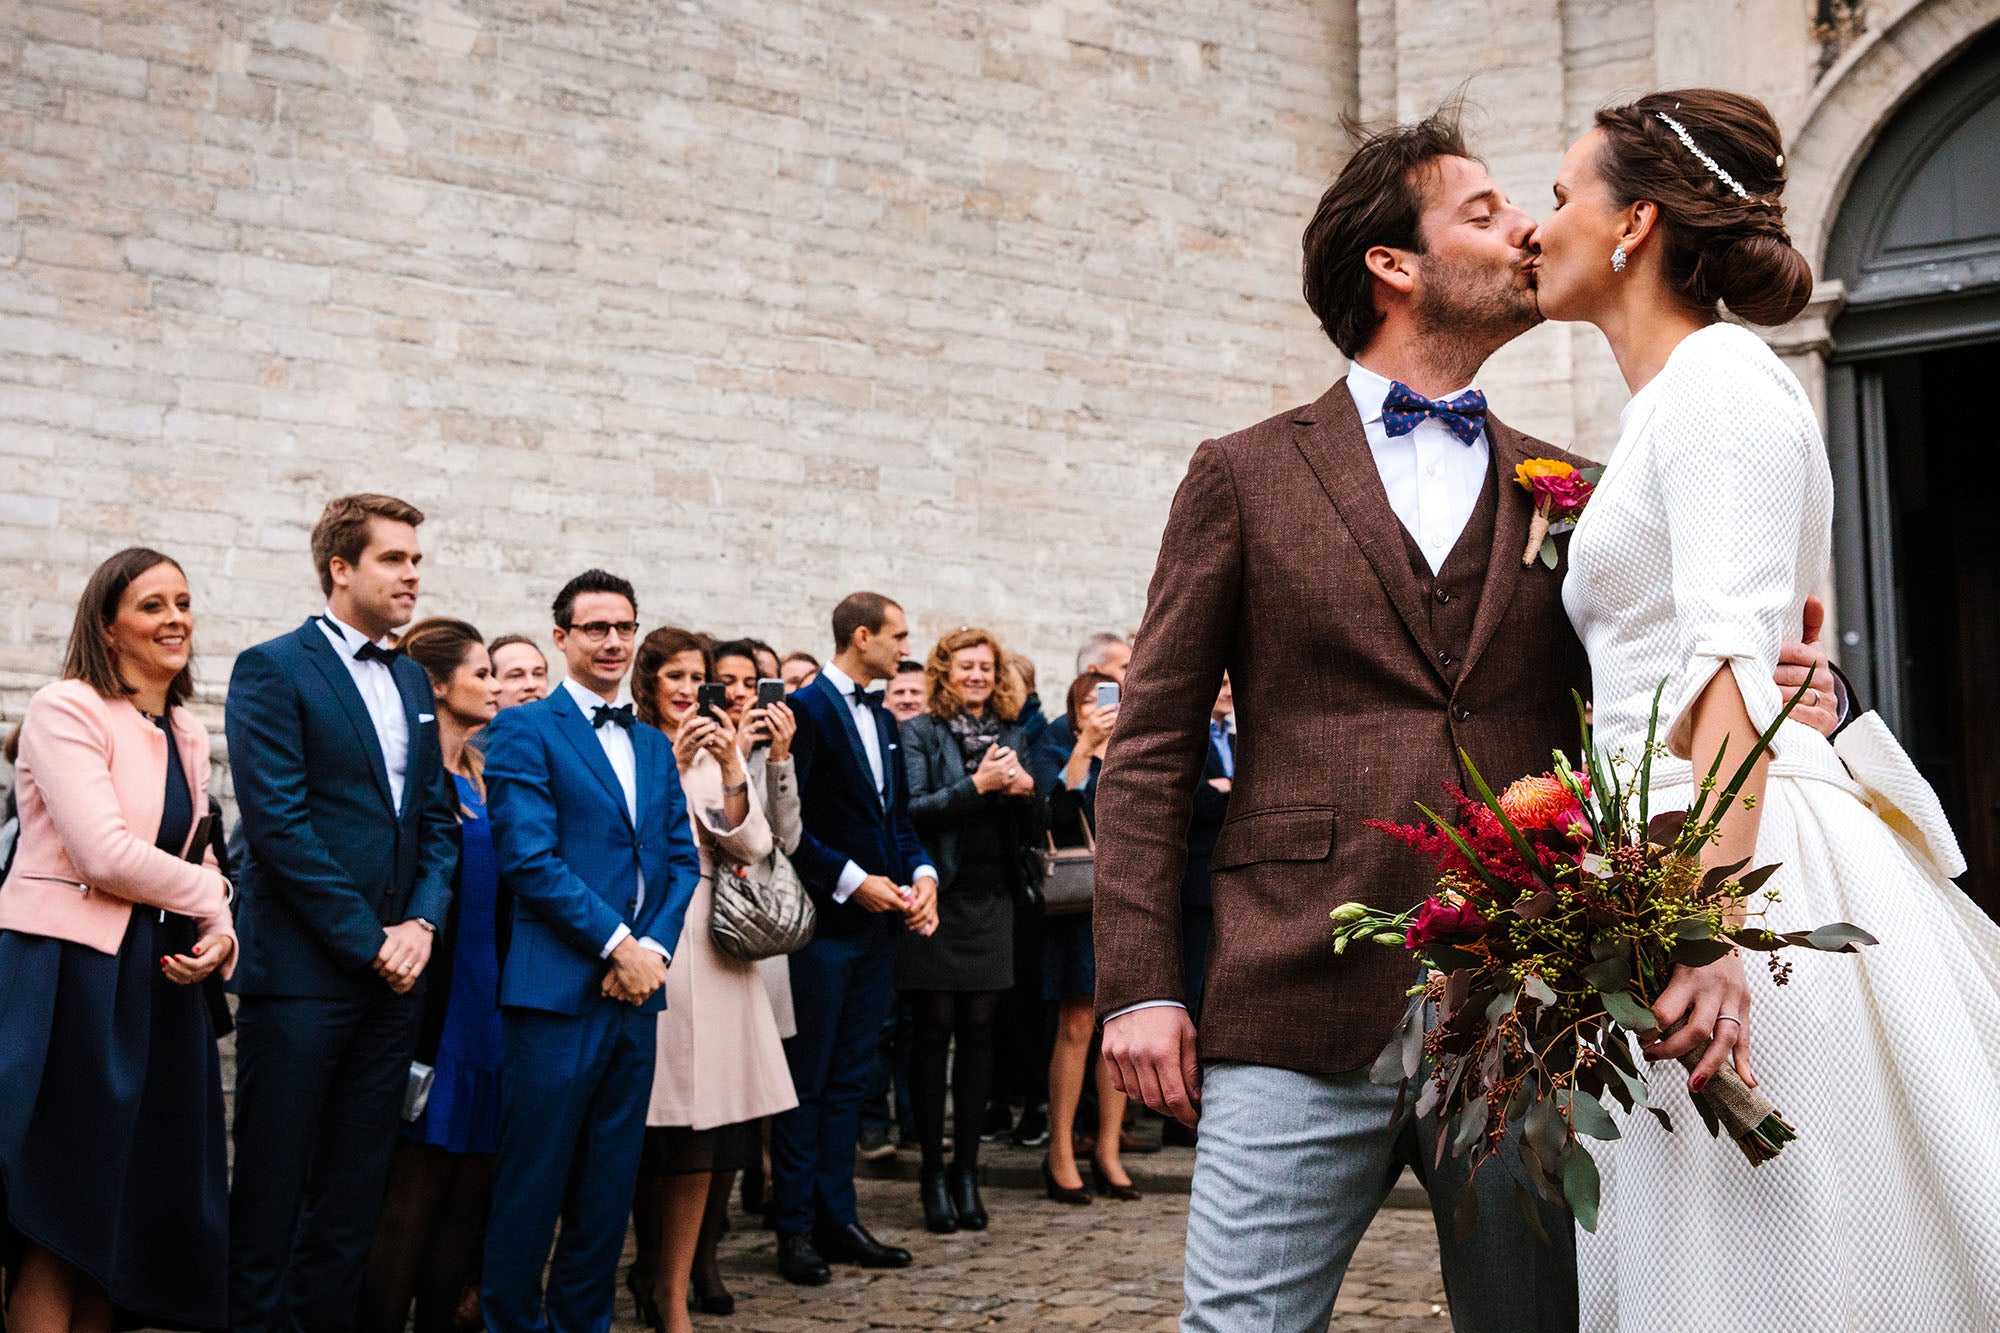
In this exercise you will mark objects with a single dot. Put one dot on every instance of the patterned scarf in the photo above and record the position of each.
(976, 735)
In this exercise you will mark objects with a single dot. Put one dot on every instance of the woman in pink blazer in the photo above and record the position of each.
(111, 1130)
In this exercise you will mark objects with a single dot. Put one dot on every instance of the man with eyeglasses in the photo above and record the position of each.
(599, 860)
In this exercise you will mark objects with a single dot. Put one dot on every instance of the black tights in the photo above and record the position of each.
(429, 1240)
(940, 1016)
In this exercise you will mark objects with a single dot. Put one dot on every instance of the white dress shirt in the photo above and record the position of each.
(616, 742)
(863, 714)
(384, 702)
(1433, 479)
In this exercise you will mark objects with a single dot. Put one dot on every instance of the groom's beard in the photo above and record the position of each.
(1468, 312)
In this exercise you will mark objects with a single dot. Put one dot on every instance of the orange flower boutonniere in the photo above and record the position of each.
(1560, 493)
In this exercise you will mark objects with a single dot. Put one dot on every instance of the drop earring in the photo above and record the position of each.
(1618, 258)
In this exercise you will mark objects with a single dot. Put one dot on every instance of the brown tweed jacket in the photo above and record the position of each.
(1283, 562)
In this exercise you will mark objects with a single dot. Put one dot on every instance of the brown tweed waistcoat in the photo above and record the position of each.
(1358, 676)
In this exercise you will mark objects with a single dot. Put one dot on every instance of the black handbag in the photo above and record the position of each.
(1069, 875)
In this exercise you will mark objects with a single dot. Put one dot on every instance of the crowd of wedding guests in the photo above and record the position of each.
(480, 913)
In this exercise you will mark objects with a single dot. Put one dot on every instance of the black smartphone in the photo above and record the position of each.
(713, 700)
(770, 691)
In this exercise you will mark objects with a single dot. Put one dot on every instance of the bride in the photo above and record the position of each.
(1710, 527)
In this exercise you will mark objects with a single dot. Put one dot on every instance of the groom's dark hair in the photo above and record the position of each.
(1378, 199)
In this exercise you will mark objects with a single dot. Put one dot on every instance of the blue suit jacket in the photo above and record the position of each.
(844, 817)
(570, 854)
(330, 861)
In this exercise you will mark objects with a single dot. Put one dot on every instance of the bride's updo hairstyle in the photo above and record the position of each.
(1719, 244)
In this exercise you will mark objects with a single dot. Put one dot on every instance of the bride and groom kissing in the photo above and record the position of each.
(1355, 566)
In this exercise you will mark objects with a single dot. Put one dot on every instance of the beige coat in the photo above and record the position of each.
(720, 1059)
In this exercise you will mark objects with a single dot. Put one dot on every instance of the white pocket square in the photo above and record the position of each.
(426, 717)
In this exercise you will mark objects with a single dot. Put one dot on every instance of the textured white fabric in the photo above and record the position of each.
(1434, 479)
(1711, 525)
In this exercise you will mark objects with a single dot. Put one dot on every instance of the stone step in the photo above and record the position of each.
(1168, 1171)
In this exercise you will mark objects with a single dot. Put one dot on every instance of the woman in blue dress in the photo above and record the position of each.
(433, 1225)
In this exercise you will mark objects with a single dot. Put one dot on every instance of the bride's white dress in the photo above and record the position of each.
(1710, 527)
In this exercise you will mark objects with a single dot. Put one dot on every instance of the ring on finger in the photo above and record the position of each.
(1729, 1018)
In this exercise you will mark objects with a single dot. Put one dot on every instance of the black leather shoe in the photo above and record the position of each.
(800, 1261)
(852, 1244)
(938, 1217)
(963, 1183)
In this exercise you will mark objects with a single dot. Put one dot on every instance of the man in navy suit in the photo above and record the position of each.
(598, 857)
(869, 877)
(351, 834)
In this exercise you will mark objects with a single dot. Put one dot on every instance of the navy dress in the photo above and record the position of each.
(111, 1128)
(463, 1113)
(1069, 956)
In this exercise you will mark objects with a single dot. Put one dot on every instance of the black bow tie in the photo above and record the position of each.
(866, 698)
(603, 713)
(375, 652)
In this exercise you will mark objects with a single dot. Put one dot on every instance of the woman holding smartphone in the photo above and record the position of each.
(721, 1065)
(1069, 965)
(112, 1155)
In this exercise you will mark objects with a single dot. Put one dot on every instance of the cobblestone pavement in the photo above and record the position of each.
(1111, 1266)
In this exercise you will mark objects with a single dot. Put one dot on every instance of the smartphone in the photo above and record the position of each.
(770, 691)
(713, 700)
(1107, 694)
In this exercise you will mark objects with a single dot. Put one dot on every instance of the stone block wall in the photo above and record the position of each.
(757, 303)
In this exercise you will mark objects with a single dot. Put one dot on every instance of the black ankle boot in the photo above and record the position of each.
(938, 1215)
(963, 1185)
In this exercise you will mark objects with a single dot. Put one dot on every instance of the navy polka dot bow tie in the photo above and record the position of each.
(1464, 416)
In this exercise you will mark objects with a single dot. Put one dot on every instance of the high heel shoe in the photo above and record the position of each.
(715, 1300)
(1127, 1192)
(938, 1215)
(649, 1309)
(1062, 1193)
(962, 1183)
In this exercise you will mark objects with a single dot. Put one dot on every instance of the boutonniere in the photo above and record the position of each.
(1560, 493)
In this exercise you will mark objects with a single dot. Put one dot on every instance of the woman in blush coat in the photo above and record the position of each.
(112, 1160)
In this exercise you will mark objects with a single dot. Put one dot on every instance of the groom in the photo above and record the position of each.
(1355, 566)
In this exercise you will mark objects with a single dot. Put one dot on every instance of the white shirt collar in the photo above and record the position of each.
(351, 636)
(841, 682)
(1369, 389)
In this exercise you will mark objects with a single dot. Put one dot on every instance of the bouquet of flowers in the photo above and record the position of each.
(1560, 492)
(1562, 907)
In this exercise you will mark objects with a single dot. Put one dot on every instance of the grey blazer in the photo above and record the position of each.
(942, 794)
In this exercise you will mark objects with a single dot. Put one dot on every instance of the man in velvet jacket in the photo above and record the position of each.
(869, 877)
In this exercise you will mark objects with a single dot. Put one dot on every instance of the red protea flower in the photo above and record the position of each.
(1536, 803)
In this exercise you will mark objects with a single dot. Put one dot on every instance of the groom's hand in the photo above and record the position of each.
(1803, 661)
(1150, 1053)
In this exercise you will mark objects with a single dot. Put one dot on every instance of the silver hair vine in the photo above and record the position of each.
(1687, 140)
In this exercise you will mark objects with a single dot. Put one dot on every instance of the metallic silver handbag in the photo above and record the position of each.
(750, 920)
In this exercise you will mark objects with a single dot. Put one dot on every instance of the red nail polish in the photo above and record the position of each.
(1697, 1083)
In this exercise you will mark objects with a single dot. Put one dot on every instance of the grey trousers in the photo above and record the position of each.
(1290, 1170)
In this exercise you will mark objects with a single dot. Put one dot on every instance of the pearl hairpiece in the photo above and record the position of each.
(1680, 132)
